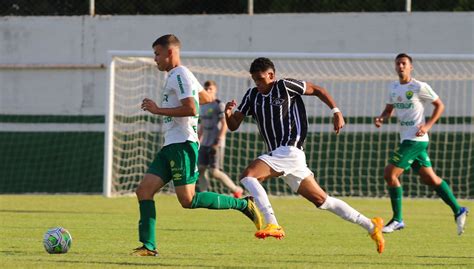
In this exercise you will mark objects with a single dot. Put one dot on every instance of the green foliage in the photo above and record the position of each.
(105, 232)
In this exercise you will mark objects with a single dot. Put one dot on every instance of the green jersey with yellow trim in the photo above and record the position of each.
(408, 101)
(180, 84)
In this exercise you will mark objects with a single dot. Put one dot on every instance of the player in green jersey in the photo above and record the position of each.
(407, 97)
(177, 161)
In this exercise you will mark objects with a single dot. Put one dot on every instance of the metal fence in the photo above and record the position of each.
(175, 7)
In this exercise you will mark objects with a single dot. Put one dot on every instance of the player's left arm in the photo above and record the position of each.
(437, 111)
(324, 96)
(187, 108)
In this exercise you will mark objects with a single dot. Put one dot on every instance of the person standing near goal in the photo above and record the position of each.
(407, 97)
(278, 108)
(212, 132)
(177, 159)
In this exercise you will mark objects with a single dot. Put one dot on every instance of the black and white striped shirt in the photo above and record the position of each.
(280, 114)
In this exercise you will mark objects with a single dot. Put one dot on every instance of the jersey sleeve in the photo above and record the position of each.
(245, 106)
(427, 93)
(183, 85)
(221, 110)
(294, 86)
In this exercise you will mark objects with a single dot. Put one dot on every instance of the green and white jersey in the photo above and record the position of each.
(180, 84)
(409, 100)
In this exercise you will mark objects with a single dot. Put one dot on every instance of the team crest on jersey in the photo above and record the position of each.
(277, 101)
(210, 111)
(409, 94)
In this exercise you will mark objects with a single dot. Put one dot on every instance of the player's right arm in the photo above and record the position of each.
(386, 114)
(234, 119)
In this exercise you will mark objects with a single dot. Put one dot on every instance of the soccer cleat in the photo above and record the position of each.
(143, 251)
(252, 212)
(460, 219)
(271, 230)
(393, 226)
(377, 235)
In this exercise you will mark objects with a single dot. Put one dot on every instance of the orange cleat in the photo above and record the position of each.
(271, 230)
(377, 235)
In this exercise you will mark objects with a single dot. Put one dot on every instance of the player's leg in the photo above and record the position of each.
(399, 161)
(429, 177)
(203, 180)
(145, 192)
(395, 190)
(215, 160)
(183, 157)
(310, 189)
(256, 172)
(203, 161)
(228, 183)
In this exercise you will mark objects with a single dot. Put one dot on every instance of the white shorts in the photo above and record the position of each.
(291, 161)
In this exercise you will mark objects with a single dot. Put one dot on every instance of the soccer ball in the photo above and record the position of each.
(57, 240)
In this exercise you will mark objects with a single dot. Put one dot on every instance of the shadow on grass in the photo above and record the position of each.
(447, 257)
(148, 259)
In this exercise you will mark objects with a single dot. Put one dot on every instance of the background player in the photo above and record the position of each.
(407, 97)
(212, 132)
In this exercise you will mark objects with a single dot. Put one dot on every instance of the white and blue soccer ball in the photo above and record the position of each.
(57, 240)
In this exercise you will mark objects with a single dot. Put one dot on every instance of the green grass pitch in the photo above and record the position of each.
(104, 232)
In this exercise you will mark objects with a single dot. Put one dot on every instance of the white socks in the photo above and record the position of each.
(345, 211)
(261, 198)
(334, 205)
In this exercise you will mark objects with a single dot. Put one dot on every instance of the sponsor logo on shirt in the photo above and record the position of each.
(403, 105)
(180, 83)
(407, 123)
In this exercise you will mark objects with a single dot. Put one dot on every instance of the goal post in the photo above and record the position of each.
(350, 164)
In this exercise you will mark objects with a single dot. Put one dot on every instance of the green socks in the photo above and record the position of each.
(146, 225)
(445, 192)
(212, 200)
(396, 194)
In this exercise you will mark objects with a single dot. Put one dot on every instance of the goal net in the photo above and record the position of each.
(350, 164)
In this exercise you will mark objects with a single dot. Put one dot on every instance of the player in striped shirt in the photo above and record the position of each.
(277, 107)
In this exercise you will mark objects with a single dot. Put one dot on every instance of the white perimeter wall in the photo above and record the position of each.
(85, 40)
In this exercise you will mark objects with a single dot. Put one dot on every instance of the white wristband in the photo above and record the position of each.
(335, 110)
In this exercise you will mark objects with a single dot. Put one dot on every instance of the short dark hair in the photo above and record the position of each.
(166, 41)
(210, 83)
(261, 64)
(404, 55)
